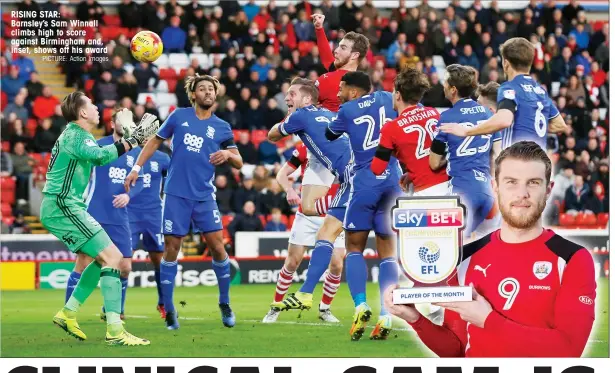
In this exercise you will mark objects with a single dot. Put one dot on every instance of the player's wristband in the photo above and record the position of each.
(136, 168)
(132, 142)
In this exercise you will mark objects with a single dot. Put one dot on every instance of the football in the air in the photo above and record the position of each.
(146, 46)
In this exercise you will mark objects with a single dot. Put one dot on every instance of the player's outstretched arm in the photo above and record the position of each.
(574, 315)
(557, 125)
(148, 150)
(502, 119)
(88, 150)
(324, 49)
(381, 159)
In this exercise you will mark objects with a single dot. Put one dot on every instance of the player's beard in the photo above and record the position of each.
(338, 63)
(522, 221)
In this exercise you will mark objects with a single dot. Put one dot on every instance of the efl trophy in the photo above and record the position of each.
(430, 244)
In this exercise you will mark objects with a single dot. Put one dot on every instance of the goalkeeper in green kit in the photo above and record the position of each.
(64, 213)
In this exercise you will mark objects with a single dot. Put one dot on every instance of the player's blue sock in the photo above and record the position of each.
(387, 276)
(356, 275)
(168, 271)
(124, 282)
(72, 283)
(223, 274)
(157, 277)
(321, 256)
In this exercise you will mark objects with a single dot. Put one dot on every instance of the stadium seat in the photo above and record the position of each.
(291, 220)
(143, 96)
(585, 220)
(181, 73)
(566, 220)
(38, 157)
(8, 220)
(166, 99)
(388, 85)
(7, 196)
(4, 100)
(179, 60)
(89, 84)
(162, 87)
(6, 146)
(107, 114)
(167, 73)
(163, 111)
(263, 220)
(112, 20)
(305, 47)
(172, 84)
(162, 61)
(204, 59)
(390, 74)
(258, 136)
(31, 127)
(226, 220)
(237, 132)
(603, 219)
(6, 209)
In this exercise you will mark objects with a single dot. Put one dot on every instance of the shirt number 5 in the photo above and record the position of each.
(508, 289)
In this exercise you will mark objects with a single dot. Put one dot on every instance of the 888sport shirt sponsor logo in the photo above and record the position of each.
(193, 143)
(117, 175)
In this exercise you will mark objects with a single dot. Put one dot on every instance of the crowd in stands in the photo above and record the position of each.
(256, 50)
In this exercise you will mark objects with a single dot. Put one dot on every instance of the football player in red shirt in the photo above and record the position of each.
(534, 291)
(302, 235)
(409, 137)
(349, 54)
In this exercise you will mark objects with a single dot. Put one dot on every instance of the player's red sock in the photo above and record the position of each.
(285, 279)
(332, 283)
(322, 204)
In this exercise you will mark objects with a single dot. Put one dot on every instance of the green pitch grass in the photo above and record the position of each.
(27, 330)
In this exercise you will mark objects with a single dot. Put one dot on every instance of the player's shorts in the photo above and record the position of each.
(72, 224)
(370, 209)
(441, 189)
(178, 212)
(304, 229)
(151, 233)
(317, 174)
(121, 237)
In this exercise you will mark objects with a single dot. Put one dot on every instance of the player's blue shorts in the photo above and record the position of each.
(338, 206)
(120, 236)
(370, 209)
(153, 241)
(178, 212)
(478, 205)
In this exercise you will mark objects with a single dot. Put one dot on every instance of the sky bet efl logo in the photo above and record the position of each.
(436, 218)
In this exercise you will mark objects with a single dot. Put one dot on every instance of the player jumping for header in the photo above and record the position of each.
(467, 159)
(525, 109)
(63, 212)
(201, 141)
(520, 267)
(361, 116)
(331, 160)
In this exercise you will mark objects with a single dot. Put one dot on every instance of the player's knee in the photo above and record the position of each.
(110, 257)
(292, 263)
(336, 265)
(81, 262)
(125, 267)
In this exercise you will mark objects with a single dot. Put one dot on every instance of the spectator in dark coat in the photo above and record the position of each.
(435, 96)
(245, 193)
(246, 149)
(45, 138)
(576, 196)
(143, 72)
(130, 14)
(247, 221)
(224, 195)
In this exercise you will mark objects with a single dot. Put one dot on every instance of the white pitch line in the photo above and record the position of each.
(301, 323)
